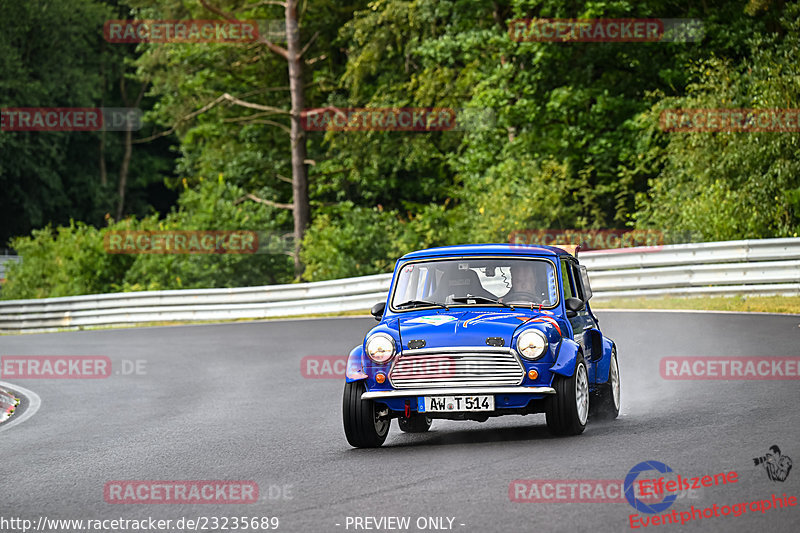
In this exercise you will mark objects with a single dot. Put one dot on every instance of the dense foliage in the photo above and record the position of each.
(568, 137)
(52, 54)
(75, 259)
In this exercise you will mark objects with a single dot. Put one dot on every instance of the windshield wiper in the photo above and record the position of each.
(465, 299)
(417, 303)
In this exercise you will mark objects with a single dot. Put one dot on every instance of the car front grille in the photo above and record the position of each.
(467, 366)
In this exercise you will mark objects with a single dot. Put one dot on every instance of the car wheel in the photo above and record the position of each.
(568, 409)
(365, 426)
(416, 423)
(607, 402)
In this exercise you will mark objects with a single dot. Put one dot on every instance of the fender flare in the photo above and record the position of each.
(566, 357)
(354, 370)
(604, 364)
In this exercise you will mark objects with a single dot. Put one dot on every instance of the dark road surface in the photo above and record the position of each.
(228, 402)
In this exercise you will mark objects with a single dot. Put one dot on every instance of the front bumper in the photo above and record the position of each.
(450, 391)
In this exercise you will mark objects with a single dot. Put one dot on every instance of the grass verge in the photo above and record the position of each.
(750, 304)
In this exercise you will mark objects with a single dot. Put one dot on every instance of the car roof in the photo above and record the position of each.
(522, 250)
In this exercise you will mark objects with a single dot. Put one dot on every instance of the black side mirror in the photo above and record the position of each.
(377, 310)
(573, 306)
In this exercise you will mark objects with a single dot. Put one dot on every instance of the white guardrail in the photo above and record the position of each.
(755, 267)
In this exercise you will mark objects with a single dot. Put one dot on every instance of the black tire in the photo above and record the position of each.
(362, 427)
(605, 405)
(416, 423)
(564, 414)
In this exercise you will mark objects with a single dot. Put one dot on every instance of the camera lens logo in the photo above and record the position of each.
(638, 504)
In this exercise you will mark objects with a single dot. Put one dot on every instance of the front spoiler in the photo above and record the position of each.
(401, 393)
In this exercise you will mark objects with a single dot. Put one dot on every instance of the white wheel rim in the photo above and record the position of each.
(582, 393)
(615, 381)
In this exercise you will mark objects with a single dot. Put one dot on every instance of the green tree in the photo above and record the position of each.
(212, 205)
(730, 185)
(54, 55)
(237, 108)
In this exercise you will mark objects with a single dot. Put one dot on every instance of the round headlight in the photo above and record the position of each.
(532, 344)
(380, 347)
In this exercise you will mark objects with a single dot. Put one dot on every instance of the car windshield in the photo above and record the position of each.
(524, 282)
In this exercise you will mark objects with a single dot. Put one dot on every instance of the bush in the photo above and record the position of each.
(739, 185)
(72, 260)
(66, 261)
(357, 241)
(212, 206)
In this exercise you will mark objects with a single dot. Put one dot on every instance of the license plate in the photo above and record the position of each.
(455, 404)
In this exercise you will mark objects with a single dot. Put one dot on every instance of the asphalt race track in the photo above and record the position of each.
(228, 402)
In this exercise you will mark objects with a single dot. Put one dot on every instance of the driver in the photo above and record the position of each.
(524, 285)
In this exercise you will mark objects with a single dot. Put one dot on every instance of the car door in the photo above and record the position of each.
(583, 325)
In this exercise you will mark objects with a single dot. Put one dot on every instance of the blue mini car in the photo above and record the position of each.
(470, 332)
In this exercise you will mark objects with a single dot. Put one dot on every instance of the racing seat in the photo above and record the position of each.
(459, 283)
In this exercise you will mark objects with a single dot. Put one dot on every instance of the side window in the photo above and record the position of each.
(587, 287)
(576, 276)
(566, 279)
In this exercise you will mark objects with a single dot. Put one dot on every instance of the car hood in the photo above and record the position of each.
(462, 328)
